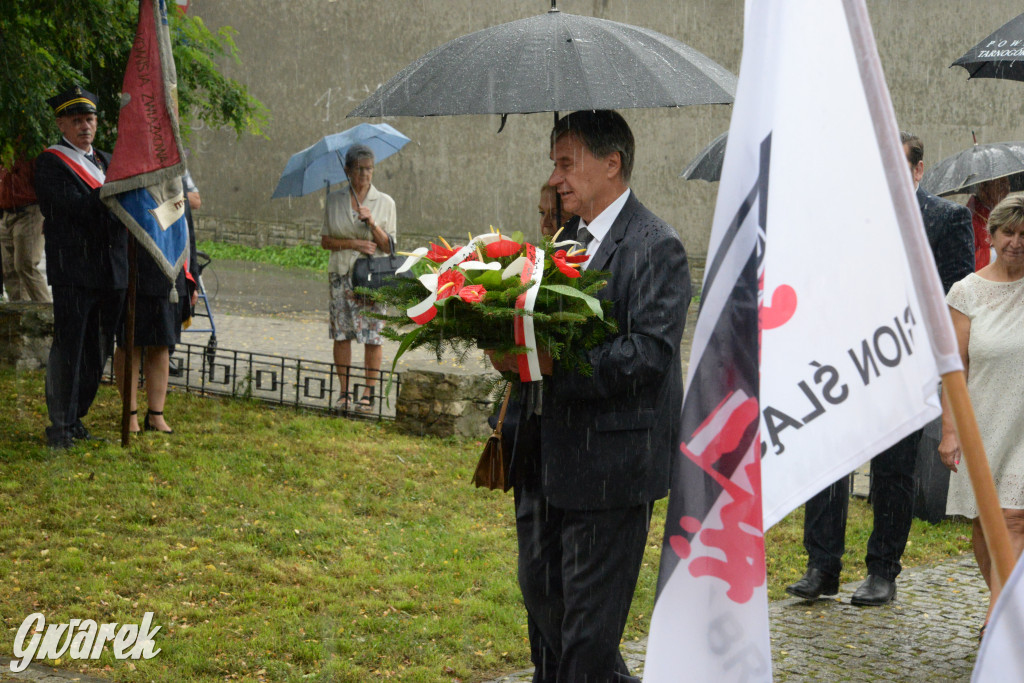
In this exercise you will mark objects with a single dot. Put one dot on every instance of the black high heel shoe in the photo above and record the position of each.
(150, 428)
(367, 403)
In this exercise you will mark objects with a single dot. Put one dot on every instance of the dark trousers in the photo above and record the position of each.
(892, 500)
(84, 321)
(577, 571)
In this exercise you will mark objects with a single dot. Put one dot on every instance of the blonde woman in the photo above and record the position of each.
(987, 308)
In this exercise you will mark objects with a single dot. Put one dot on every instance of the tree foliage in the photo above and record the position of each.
(47, 45)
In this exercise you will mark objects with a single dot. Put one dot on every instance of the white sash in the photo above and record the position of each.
(78, 156)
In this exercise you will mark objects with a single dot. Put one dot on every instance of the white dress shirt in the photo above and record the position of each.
(602, 224)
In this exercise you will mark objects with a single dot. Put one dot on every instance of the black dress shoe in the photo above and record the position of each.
(874, 591)
(80, 433)
(814, 583)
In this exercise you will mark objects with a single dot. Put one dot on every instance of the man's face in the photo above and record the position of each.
(79, 129)
(916, 171)
(579, 177)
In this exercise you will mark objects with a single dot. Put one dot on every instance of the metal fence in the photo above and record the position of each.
(279, 380)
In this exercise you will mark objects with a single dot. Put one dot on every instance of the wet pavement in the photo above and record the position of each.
(928, 634)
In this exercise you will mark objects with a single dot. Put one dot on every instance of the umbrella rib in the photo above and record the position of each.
(576, 50)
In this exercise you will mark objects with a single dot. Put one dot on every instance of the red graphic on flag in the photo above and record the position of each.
(740, 539)
(782, 308)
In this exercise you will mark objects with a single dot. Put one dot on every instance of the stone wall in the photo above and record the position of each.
(26, 332)
(445, 403)
(256, 233)
(312, 61)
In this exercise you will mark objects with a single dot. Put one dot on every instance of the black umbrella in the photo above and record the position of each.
(1001, 55)
(707, 165)
(958, 173)
(552, 62)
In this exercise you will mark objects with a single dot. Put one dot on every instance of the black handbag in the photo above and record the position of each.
(376, 272)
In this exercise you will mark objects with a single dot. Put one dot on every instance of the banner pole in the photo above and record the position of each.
(993, 524)
(129, 339)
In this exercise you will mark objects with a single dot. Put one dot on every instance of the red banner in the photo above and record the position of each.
(146, 135)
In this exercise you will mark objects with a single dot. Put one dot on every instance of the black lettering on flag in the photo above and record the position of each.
(866, 360)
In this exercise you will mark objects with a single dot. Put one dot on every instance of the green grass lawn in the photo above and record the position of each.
(308, 256)
(280, 546)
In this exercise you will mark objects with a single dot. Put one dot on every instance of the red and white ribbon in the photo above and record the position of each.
(424, 311)
(533, 270)
(530, 269)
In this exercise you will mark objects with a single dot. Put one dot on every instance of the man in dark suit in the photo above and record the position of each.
(950, 236)
(582, 515)
(86, 265)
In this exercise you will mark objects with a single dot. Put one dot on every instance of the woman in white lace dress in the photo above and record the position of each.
(987, 308)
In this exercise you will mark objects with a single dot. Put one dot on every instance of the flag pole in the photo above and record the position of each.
(934, 311)
(127, 376)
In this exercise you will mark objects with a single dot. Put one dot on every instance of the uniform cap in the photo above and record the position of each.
(74, 100)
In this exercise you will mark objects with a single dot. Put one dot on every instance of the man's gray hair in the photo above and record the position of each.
(601, 132)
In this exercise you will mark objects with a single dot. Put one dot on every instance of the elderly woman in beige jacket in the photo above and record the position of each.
(358, 222)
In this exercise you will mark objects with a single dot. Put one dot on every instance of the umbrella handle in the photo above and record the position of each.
(349, 181)
(354, 197)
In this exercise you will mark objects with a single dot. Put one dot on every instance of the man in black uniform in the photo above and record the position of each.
(86, 264)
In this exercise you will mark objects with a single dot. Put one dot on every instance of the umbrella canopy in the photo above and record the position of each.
(1001, 55)
(324, 163)
(707, 165)
(956, 174)
(552, 62)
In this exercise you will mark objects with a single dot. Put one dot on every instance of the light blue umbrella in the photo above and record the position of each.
(324, 163)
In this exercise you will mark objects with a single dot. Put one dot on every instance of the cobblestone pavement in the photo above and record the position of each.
(927, 635)
(37, 673)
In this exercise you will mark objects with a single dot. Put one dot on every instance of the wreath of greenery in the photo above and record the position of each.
(568, 318)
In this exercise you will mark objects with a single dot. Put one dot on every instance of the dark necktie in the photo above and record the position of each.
(584, 237)
(92, 158)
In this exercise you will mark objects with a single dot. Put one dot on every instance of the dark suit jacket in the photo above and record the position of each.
(607, 440)
(86, 246)
(950, 236)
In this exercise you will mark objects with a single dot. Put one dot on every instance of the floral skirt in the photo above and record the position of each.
(348, 313)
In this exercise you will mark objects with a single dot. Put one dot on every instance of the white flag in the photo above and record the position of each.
(814, 346)
(1001, 658)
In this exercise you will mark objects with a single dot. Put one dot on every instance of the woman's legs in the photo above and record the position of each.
(133, 384)
(1015, 525)
(373, 355)
(158, 366)
(342, 361)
